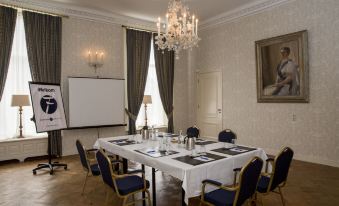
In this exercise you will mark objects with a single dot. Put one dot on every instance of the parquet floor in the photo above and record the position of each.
(308, 184)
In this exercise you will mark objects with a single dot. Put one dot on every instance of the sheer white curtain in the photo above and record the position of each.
(155, 112)
(17, 83)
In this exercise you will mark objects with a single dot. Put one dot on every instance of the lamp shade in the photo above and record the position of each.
(147, 99)
(20, 100)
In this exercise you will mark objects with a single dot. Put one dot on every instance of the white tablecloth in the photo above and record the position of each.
(191, 176)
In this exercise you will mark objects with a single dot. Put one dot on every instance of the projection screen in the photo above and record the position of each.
(96, 102)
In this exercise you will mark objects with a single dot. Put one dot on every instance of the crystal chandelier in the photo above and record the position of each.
(181, 29)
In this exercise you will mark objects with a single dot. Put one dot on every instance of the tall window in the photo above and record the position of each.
(16, 83)
(156, 115)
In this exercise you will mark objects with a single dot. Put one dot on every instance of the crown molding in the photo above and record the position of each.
(246, 10)
(107, 17)
(82, 13)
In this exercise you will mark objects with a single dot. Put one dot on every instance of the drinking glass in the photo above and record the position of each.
(193, 152)
(139, 138)
(203, 150)
(168, 143)
(234, 142)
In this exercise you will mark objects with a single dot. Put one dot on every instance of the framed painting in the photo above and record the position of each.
(282, 68)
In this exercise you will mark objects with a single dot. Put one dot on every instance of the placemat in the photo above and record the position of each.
(200, 159)
(234, 150)
(155, 152)
(204, 142)
(167, 135)
(122, 142)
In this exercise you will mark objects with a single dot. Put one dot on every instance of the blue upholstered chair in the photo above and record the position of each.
(89, 164)
(227, 135)
(237, 194)
(193, 132)
(270, 181)
(125, 185)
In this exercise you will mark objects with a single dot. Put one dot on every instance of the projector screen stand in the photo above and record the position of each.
(50, 164)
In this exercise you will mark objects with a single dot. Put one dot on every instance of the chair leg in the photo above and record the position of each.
(281, 196)
(124, 201)
(149, 198)
(262, 201)
(84, 185)
(106, 199)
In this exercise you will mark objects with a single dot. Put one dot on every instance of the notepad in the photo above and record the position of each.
(204, 159)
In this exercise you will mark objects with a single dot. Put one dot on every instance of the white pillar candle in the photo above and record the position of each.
(102, 58)
(159, 27)
(193, 25)
(196, 27)
(167, 23)
(89, 57)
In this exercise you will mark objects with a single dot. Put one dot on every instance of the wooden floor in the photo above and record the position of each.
(308, 184)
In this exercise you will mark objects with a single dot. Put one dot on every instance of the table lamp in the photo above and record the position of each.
(147, 100)
(20, 101)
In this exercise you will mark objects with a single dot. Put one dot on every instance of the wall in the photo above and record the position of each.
(78, 37)
(230, 48)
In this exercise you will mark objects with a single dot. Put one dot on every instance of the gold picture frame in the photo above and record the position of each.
(282, 68)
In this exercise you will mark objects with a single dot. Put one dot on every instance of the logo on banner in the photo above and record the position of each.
(48, 104)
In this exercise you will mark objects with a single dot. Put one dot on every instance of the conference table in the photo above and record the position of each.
(217, 164)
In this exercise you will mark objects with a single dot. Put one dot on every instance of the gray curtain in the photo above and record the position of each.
(7, 28)
(43, 37)
(164, 64)
(138, 53)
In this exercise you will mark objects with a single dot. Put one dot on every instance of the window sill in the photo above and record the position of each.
(16, 139)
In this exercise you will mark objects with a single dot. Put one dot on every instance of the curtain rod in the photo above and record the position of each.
(33, 10)
(128, 27)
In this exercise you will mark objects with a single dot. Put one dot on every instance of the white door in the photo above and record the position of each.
(209, 104)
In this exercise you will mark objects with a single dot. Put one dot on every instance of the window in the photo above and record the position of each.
(156, 115)
(17, 83)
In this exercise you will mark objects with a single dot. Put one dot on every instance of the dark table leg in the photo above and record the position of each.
(154, 188)
(143, 192)
(183, 197)
(124, 165)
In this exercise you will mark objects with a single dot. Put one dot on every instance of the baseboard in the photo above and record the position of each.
(307, 158)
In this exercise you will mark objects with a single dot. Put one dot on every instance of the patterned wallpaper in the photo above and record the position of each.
(314, 135)
(79, 36)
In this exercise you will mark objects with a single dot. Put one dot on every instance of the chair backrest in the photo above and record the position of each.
(105, 167)
(226, 135)
(248, 180)
(192, 132)
(281, 167)
(82, 154)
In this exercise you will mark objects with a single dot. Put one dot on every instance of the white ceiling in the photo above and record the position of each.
(150, 10)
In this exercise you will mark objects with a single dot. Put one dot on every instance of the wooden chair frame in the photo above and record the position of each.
(235, 187)
(125, 197)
